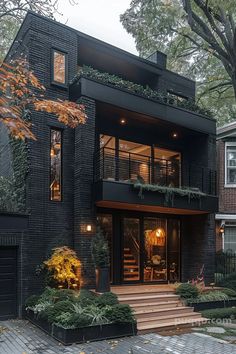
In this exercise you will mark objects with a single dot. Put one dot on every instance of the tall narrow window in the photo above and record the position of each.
(55, 158)
(59, 67)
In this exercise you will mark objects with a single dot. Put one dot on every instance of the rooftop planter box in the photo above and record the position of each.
(82, 335)
(140, 101)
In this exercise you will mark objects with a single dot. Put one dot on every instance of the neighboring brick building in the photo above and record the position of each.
(133, 134)
(226, 162)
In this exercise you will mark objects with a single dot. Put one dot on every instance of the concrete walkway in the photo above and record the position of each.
(21, 337)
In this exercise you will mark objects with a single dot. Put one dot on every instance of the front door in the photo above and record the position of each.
(150, 249)
(142, 248)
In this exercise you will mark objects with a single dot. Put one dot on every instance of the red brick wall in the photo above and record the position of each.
(227, 196)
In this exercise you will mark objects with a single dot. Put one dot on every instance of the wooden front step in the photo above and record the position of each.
(157, 305)
(148, 314)
(161, 327)
(157, 308)
(144, 298)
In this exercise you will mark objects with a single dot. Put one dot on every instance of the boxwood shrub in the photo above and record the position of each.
(227, 312)
(187, 291)
(73, 309)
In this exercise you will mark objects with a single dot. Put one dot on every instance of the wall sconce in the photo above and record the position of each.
(222, 228)
(88, 227)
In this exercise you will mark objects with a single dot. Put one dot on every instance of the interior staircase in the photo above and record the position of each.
(131, 267)
(157, 308)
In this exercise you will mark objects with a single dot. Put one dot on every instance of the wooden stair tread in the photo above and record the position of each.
(151, 310)
(146, 297)
(185, 321)
(157, 304)
(166, 317)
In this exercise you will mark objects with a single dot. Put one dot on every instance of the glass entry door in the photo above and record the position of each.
(161, 261)
(131, 249)
(155, 249)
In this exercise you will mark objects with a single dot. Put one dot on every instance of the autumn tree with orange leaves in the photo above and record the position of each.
(21, 92)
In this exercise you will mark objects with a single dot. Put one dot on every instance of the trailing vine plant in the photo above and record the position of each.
(116, 81)
(169, 192)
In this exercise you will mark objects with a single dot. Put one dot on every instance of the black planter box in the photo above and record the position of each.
(209, 305)
(81, 335)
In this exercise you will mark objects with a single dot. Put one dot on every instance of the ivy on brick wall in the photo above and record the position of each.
(13, 189)
(147, 92)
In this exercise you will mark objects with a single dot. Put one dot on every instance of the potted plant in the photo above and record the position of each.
(101, 258)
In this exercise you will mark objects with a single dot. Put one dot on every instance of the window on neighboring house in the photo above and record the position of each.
(55, 165)
(230, 238)
(230, 168)
(59, 67)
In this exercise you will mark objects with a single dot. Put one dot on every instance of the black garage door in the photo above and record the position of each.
(8, 282)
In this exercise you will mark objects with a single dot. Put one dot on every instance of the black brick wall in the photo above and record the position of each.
(58, 223)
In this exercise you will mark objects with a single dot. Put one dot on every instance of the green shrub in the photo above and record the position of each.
(229, 292)
(187, 291)
(121, 313)
(211, 296)
(56, 310)
(100, 250)
(59, 294)
(227, 312)
(86, 297)
(228, 282)
(107, 299)
(72, 320)
(32, 301)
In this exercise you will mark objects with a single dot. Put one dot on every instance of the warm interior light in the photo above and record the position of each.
(89, 228)
(174, 135)
(160, 233)
(123, 121)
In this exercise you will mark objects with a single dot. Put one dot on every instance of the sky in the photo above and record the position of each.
(100, 19)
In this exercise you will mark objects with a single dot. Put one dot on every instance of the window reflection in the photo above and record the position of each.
(59, 67)
(55, 157)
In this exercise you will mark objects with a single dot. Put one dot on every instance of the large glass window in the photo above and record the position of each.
(134, 161)
(230, 164)
(167, 167)
(55, 165)
(59, 67)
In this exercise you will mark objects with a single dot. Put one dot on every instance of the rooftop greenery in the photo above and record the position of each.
(147, 92)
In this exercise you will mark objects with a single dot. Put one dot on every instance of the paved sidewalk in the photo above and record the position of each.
(21, 337)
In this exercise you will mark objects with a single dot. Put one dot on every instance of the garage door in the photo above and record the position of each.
(8, 282)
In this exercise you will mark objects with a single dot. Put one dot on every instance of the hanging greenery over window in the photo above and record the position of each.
(147, 92)
(169, 192)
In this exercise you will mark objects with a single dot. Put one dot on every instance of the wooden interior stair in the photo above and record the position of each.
(157, 308)
(131, 268)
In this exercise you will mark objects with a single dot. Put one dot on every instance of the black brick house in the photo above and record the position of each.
(143, 166)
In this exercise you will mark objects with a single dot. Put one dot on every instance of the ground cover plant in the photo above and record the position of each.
(72, 309)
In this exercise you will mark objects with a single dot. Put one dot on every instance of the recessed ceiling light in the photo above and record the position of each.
(122, 121)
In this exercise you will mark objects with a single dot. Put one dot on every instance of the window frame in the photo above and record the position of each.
(228, 185)
(53, 82)
(51, 128)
